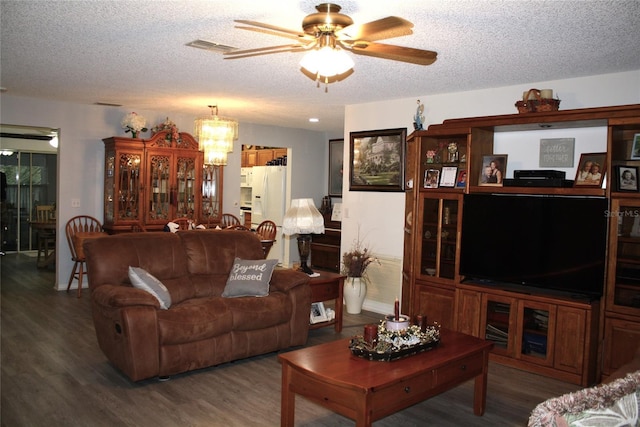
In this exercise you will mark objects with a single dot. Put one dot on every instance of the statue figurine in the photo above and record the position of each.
(418, 119)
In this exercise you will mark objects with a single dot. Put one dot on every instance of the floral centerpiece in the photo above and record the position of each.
(134, 123)
(169, 125)
(354, 266)
(395, 344)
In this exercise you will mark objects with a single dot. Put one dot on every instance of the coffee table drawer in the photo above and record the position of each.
(404, 391)
(460, 371)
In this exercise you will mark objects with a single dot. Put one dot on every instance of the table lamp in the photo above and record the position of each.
(303, 219)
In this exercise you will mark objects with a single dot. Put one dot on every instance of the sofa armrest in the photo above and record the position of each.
(284, 279)
(123, 296)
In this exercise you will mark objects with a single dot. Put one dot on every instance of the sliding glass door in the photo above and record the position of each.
(31, 180)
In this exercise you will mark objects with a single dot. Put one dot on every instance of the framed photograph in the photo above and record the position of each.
(377, 160)
(635, 151)
(591, 170)
(336, 166)
(493, 170)
(448, 176)
(461, 181)
(318, 313)
(431, 178)
(627, 178)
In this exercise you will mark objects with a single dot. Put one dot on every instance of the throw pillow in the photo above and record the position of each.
(249, 278)
(141, 279)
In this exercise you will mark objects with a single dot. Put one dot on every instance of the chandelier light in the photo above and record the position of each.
(215, 137)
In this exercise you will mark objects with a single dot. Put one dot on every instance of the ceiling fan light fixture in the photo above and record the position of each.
(326, 62)
(215, 136)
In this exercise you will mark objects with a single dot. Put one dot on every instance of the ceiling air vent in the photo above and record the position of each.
(210, 46)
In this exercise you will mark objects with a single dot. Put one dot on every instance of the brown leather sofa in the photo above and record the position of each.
(201, 328)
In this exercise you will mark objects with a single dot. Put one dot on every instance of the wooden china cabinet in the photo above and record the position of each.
(622, 299)
(574, 340)
(150, 182)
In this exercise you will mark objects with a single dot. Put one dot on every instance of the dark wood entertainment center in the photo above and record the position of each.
(576, 340)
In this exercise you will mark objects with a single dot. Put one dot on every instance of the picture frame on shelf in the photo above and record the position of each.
(336, 166)
(431, 178)
(635, 150)
(376, 160)
(448, 176)
(318, 313)
(461, 180)
(627, 178)
(591, 170)
(494, 167)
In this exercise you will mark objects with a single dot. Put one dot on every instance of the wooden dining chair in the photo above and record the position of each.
(267, 232)
(46, 238)
(228, 220)
(237, 227)
(78, 229)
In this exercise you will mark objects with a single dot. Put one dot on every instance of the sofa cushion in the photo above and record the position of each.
(258, 313)
(141, 279)
(194, 320)
(249, 278)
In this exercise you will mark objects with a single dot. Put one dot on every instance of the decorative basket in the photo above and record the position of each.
(538, 104)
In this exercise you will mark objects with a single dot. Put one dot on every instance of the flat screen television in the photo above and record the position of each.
(551, 243)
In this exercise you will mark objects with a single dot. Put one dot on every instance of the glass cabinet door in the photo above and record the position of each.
(128, 168)
(624, 270)
(537, 321)
(439, 235)
(186, 175)
(159, 176)
(211, 194)
(498, 322)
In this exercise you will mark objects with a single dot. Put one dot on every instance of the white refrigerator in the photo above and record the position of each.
(268, 187)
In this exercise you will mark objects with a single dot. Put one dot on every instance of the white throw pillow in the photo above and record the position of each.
(141, 279)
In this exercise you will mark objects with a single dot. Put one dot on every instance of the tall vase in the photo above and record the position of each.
(355, 289)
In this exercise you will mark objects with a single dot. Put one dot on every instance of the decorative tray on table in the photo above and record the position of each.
(395, 344)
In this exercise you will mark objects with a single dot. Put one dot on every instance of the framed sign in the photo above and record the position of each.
(377, 160)
(336, 166)
(448, 178)
(557, 152)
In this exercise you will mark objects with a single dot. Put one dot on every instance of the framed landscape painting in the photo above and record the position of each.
(377, 160)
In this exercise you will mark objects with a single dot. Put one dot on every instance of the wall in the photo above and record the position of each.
(81, 157)
(378, 217)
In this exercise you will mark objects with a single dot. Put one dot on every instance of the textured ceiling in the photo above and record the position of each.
(133, 53)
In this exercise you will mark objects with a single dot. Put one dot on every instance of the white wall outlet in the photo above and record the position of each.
(75, 203)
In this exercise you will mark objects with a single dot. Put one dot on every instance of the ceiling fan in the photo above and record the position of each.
(327, 34)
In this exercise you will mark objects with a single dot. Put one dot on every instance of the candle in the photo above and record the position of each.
(370, 333)
(546, 93)
(419, 320)
(396, 310)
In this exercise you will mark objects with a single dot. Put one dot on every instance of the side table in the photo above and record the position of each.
(328, 286)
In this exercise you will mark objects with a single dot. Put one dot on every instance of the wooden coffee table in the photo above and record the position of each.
(365, 391)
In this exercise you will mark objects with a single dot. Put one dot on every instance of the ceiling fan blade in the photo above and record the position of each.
(384, 28)
(264, 51)
(396, 53)
(274, 33)
(270, 27)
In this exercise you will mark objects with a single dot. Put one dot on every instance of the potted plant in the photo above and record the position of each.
(354, 266)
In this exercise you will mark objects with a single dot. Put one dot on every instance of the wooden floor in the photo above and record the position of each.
(54, 374)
